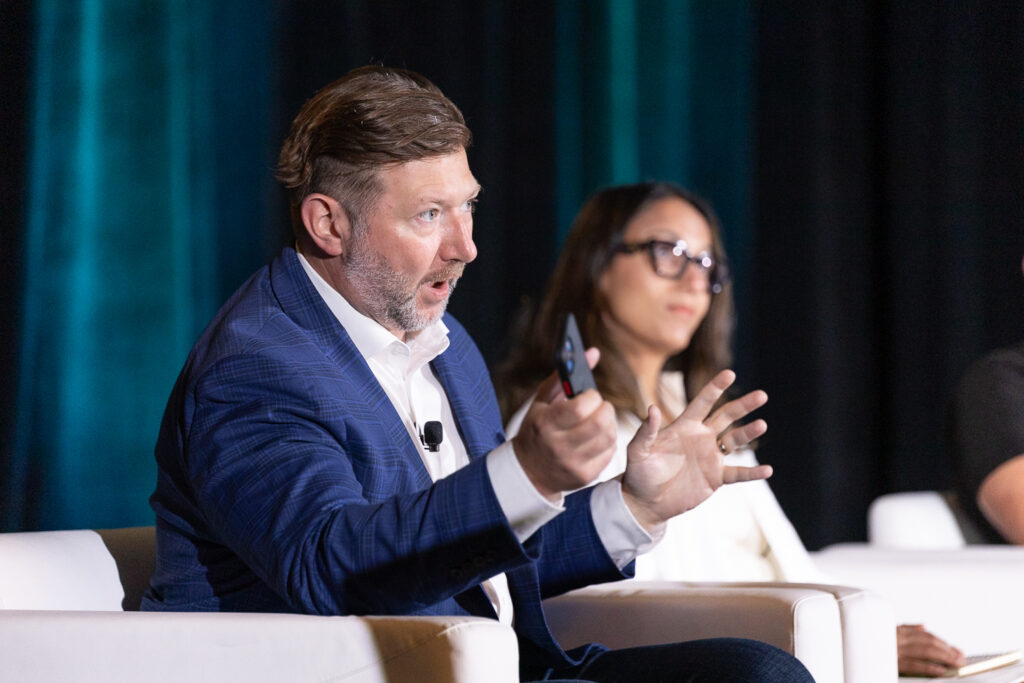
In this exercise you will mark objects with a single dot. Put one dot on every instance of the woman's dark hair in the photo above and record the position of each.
(573, 288)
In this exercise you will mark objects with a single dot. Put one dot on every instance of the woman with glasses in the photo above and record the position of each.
(645, 273)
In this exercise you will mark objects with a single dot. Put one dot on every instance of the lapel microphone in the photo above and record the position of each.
(432, 435)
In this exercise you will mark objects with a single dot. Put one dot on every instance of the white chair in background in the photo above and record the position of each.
(919, 520)
(920, 558)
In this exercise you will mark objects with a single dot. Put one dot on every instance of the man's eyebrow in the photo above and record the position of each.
(434, 199)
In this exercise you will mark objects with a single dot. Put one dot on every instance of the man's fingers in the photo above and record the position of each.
(647, 434)
(653, 421)
(594, 433)
(648, 431)
(735, 410)
(700, 407)
(737, 438)
(734, 475)
(568, 412)
(549, 390)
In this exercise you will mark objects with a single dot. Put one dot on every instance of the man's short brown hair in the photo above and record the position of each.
(370, 118)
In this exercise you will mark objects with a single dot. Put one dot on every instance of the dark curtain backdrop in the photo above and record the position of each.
(865, 159)
(16, 41)
(889, 235)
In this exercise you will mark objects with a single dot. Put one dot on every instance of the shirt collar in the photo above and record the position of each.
(370, 337)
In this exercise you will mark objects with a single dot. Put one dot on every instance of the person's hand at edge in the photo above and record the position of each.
(921, 653)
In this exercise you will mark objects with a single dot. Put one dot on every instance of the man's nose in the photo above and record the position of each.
(458, 243)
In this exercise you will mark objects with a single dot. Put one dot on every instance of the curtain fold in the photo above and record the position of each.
(125, 224)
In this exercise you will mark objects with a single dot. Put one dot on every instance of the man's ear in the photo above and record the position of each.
(326, 223)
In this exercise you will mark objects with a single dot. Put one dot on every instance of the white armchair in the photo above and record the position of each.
(68, 601)
(839, 633)
(61, 600)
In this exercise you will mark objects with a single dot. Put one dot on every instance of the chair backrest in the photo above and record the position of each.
(78, 569)
(134, 553)
(923, 520)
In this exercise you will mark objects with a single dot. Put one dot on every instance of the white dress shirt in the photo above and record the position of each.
(403, 371)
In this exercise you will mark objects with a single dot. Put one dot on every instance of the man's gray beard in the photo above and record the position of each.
(385, 293)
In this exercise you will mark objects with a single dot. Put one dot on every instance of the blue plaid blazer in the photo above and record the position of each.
(288, 483)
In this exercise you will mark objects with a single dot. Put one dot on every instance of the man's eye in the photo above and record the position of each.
(430, 214)
(471, 205)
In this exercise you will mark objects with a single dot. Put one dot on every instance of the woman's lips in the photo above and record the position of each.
(680, 309)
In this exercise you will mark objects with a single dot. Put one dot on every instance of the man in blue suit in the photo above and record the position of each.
(295, 470)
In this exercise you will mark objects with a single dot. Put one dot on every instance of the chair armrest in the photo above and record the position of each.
(971, 597)
(869, 633)
(802, 620)
(149, 646)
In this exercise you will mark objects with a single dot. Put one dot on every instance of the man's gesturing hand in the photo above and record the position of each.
(671, 470)
(563, 444)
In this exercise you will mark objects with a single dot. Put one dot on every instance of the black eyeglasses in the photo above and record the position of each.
(671, 259)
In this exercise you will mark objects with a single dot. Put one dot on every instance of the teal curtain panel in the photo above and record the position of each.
(148, 121)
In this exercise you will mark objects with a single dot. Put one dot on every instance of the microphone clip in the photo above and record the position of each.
(432, 435)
